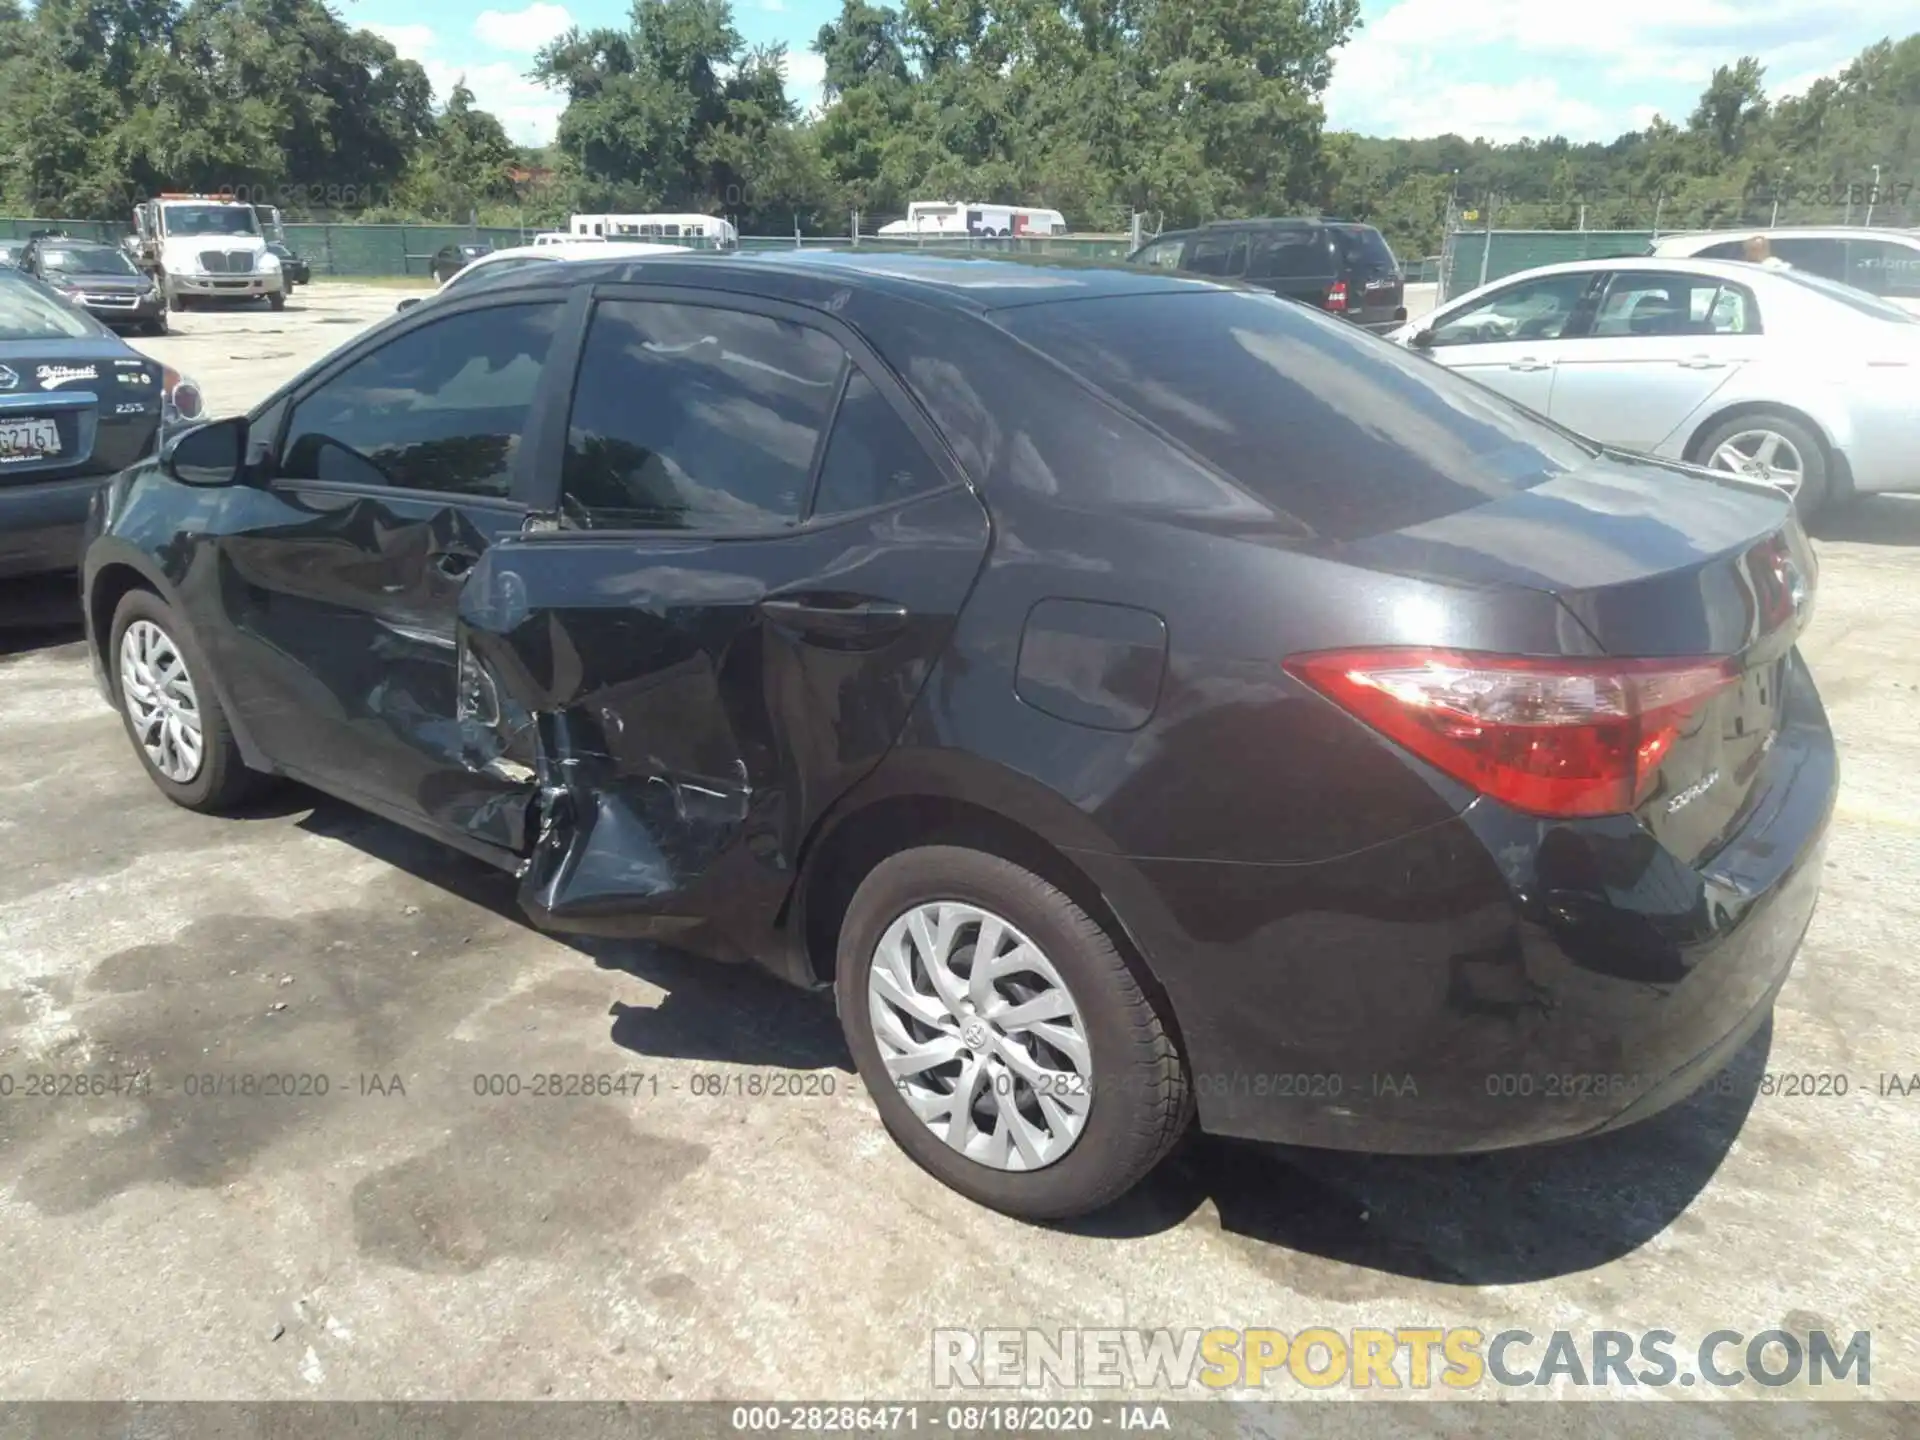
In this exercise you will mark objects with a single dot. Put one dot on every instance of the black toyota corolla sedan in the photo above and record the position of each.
(1135, 697)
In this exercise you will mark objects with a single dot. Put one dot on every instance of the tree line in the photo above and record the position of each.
(1178, 110)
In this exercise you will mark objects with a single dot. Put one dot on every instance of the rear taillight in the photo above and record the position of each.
(1551, 737)
(1337, 295)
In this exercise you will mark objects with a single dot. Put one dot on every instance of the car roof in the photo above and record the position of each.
(950, 281)
(1790, 232)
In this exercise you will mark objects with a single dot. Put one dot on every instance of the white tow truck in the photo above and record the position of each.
(201, 246)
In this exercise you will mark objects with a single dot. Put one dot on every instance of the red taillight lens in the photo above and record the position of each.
(1551, 737)
(1337, 295)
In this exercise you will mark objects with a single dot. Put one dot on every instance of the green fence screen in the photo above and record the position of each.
(1515, 250)
(392, 250)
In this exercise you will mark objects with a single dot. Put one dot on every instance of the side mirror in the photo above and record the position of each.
(1421, 339)
(210, 454)
(408, 303)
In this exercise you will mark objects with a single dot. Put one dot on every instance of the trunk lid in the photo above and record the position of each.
(75, 407)
(1654, 561)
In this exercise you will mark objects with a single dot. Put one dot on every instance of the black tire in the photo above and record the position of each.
(1816, 476)
(223, 779)
(278, 299)
(157, 325)
(1141, 1097)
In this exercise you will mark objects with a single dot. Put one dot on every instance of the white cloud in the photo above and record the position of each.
(529, 112)
(522, 31)
(1507, 68)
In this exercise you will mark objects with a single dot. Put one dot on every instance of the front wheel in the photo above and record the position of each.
(176, 302)
(170, 710)
(1777, 449)
(1011, 1050)
(278, 299)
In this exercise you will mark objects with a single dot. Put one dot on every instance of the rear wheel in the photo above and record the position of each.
(170, 710)
(1772, 447)
(1009, 1047)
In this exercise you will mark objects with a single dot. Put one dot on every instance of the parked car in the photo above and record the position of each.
(450, 260)
(1133, 696)
(1773, 374)
(77, 403)
(1331, 265)
(100, 279)
(294, 268)
(519, 257)
(1885, 263)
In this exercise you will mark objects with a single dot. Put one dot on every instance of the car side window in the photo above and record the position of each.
(1884, 267)
(440, 407)
(1163, 255)
(1728, 250)
(1532, 310)
(690, 417)
(1210, 254)
(1648, 303)
(1291, 255)
(873, 457)
(1812, 253)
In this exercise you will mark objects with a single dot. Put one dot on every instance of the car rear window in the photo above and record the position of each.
(1364, 248)
(1347, 433)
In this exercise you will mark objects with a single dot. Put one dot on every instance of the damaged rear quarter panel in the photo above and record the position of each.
(678, 739)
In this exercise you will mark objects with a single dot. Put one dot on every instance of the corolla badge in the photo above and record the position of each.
(1692, 793)
(53, 376)
(8, 379)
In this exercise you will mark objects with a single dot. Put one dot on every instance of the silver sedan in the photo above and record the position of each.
(1766, 372)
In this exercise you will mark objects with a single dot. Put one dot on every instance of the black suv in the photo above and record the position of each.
(1334, 265)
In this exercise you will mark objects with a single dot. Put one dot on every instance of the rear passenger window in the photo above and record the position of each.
(873, 458)
(1291, 255)
(692, 418)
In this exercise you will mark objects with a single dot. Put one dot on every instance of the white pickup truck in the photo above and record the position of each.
(200, 246)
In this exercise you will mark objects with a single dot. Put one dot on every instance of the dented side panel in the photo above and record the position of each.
(688, 708)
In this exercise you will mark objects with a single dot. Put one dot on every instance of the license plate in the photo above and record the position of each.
(28, 440)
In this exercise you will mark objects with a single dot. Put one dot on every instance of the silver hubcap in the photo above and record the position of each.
(160, 700)
(980, 1035)
(1761, 455)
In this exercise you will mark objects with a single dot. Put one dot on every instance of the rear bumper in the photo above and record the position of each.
(42, 525)
(1472, 986)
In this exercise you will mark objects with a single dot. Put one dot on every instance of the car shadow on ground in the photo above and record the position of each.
(39, 612)
(1872, 520)
(1504, 1218)
(734, 1014)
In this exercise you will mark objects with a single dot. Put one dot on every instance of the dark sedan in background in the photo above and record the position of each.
(77, 403)
(293, 266)
(449, 260)
(1135, 696)
(100, 279)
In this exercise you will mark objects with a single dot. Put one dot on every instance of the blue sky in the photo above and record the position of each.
(1499, 68)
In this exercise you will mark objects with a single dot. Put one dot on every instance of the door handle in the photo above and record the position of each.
(1528, 363)
(454, 563)
(1702, 362)
(836, 618)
